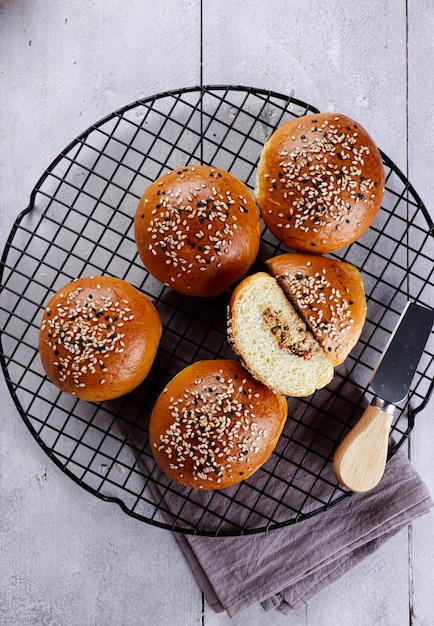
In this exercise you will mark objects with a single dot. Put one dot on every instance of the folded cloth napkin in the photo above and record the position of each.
(286, 567)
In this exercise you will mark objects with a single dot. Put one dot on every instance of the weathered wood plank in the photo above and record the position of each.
(67, 557)
(420, 158)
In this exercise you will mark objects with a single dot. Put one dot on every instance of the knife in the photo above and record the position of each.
(360, 459)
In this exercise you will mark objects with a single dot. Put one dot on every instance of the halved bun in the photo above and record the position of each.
(197, 230)
(320, 182)
(272, 340)
(98, 338)
(328, 294)
(214, 425)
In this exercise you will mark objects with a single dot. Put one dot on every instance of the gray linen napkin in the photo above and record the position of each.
(286, 567)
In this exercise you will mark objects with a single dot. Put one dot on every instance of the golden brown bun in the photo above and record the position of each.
(320, 182)
(328, 294)
(98, 338)
(197, 230)
(273, 341)
(214, 425)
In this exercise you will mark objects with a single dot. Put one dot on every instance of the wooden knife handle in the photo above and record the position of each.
(360, 459)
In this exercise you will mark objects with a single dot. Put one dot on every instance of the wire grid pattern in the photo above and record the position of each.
(80, 222)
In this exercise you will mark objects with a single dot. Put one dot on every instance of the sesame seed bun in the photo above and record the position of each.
(320, 182)
(214, 425)
(273, 341)
(197, 230)
(329, 296)
(98, 338)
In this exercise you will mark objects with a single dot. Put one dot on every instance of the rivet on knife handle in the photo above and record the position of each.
(360, 459)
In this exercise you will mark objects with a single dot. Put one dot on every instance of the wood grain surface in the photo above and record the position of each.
(67, 558)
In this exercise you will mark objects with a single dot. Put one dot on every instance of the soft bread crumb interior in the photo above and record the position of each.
(289, 361)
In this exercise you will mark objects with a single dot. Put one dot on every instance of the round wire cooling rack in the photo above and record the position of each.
(80, 222)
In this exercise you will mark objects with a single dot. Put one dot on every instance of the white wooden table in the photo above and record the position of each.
(67, 558)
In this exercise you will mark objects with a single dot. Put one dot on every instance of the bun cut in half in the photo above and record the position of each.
(329, 296)
(320, 182)
(98, 338)
(273, 341)
(214, 425)
(197, 230)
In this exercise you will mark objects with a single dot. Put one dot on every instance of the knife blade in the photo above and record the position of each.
(360, 459)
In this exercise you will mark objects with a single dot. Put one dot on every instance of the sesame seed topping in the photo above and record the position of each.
(323, 175)
(213, 427)
(198, 217)
(329, 316)
(84, 330)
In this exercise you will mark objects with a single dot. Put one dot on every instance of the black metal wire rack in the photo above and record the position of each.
(80, 222)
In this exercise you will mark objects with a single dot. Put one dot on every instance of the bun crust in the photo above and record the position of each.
(98, 338)
(214, 425)
(272, 340)
(328, 294)
(320, 182)
(197, 230)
